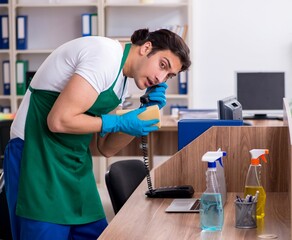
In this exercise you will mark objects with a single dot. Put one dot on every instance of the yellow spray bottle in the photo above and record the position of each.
(253, 180)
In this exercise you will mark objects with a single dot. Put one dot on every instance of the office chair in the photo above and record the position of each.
(122, 178)
(5, 230)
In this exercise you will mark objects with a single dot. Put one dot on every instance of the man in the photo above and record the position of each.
(50, 184)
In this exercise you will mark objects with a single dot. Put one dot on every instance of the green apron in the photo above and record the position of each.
(57, 183)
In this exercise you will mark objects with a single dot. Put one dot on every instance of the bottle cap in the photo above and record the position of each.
(257, 154)
(212, 156)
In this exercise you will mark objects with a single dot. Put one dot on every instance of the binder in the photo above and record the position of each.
(93, 24)
(29, 76)
(4, 32)
(183, 82)
(21, 69)
(5, 109)
(6, 77)
(3, 1)
(21, 32)
(86, 25)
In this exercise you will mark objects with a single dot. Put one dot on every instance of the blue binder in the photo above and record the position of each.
(4, 32)
(190, 129)
(183, 82)
(86, 24)
(3, 1)
(21, 32)
(6, 77)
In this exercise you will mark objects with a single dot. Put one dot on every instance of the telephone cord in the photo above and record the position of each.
(146, 162)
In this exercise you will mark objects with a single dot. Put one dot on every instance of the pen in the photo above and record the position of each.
(238, 199)
(247, 198)
(256, 196)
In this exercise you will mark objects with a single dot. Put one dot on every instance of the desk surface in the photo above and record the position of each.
(144, 218)
(170, 123)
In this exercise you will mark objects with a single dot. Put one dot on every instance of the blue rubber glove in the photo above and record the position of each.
(157, 96)
(128, 123)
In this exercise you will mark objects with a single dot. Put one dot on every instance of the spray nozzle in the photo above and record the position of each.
(212, 156)
(257, 154)
(220, 159)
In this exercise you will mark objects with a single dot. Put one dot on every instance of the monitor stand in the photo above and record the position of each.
(262, 117)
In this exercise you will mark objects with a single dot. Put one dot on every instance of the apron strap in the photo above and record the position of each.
(31, 89)
(125, 80)
(125, 55)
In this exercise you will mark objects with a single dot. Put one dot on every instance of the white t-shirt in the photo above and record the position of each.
(96, 59)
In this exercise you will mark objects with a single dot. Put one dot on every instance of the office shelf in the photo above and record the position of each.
(144, 5)
(54, 22)
(41, 5)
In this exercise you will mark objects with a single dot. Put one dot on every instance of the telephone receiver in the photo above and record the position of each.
(145, 98)
(184, 191)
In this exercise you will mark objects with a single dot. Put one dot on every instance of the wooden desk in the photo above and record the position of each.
(164, 142)
(145, 218)
(142, 218)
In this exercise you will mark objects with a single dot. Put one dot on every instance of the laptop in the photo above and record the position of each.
(184, 205)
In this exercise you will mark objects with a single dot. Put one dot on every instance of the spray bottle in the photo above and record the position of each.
(221, 176)
(253, 180)
(211, 208)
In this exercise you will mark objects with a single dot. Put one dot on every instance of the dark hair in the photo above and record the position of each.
(164, 39)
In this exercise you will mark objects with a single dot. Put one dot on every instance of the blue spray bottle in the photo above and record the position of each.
(211, 207)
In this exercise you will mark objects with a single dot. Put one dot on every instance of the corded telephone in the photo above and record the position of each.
(184, 191)
(1, 179)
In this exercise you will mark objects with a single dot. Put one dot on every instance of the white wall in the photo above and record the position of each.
(238, 35)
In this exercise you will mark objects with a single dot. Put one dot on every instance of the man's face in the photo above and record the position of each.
(157, 68)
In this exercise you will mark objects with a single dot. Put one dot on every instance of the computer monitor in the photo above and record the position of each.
(229, 109)
(261, 93)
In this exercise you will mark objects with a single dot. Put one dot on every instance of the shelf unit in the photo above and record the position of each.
(5, 55)
(133, 15)
(54, 22)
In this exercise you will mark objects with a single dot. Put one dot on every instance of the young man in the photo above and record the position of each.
(49, 180)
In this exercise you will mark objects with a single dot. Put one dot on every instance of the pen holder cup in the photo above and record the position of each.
(245, 214)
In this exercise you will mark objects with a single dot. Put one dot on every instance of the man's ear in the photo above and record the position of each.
(146, 48)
